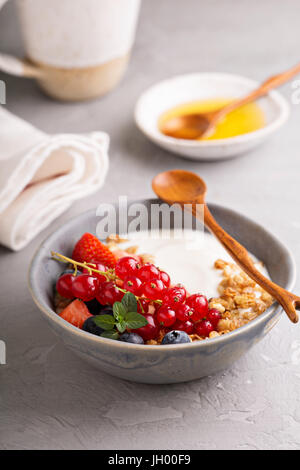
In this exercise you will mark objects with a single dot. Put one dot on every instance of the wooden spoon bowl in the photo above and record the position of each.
(200, 125)
(189, 190)
(182, 187)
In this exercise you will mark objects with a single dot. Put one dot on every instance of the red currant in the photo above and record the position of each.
(203, 328)
(126, 266)
(166, 316)
(99, 267)
(64, 285)
(154, 289)
(200, 305)
(186, 326)
(133, 284)
(174, 296)
(85, 287)
(214, 316)
(148, 272)
(143, 306)
(108, 293)
(184, 312)
(100, 293)
(165, 278)
(149, 331)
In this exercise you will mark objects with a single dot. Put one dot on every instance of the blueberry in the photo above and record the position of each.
(106, 310)
(131, 338)
(95, 308)
(91, 327)
(68, 271)
(176, 337)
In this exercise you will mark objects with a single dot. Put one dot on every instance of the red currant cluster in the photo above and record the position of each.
(162, 305)
(190, 314)
(84, 286)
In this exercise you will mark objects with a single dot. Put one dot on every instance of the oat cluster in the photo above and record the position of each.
(240, 298)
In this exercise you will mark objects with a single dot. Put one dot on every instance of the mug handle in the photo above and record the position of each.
(15, 66)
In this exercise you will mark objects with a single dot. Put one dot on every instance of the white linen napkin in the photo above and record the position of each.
(42, 175)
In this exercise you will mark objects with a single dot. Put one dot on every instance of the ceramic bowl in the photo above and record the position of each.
(201, 86)
(160, 364)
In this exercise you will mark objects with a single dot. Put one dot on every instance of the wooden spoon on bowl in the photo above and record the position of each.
(184, 187)
(196, 125)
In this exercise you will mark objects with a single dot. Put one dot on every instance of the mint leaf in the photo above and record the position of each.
(135, 320)
(121, 326)
(119, 311)
(112, 334)
(129, 302)
(107, 322)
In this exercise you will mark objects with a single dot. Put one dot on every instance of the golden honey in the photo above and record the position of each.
(247, 118)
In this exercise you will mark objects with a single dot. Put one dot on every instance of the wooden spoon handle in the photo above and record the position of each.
(265, 87)
(287, 300)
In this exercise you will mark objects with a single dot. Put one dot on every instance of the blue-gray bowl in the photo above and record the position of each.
(161, 364)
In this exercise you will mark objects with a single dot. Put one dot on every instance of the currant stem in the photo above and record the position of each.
(141, 305)
(90, 267)
(138, 298)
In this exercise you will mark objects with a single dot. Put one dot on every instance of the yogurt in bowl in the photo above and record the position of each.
(188, 257)
(199, 296)
(161, 363)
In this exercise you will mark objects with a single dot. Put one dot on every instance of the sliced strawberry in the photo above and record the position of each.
(76, 313)
(89, 248)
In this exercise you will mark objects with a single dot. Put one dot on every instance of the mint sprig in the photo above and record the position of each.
(129, 302)
(106, 322)
(125, 315)
(133, 320)
(119, 310)
(111, 334)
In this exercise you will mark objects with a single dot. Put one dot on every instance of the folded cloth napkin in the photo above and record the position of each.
(42, 175)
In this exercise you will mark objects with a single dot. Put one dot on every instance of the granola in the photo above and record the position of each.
(240, 298)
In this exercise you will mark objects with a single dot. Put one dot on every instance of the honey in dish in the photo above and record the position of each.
(248, 118)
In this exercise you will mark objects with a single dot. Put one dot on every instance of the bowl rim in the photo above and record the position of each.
(275, 96)
(51, 315)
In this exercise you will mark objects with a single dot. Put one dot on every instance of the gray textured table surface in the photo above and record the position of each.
(49, 398)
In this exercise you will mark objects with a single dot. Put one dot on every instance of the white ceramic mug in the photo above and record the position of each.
(76, 49)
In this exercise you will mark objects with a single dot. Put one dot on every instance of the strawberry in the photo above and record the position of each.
(76, 313)
(89, 248)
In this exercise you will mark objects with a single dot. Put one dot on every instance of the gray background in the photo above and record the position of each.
(49, 398)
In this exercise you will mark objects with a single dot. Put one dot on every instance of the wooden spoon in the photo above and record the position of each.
(194, 126)
(184, 187)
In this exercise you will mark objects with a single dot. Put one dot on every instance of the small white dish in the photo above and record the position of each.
(200, 86)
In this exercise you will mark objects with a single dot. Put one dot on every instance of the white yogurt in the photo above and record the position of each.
(191, 266)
